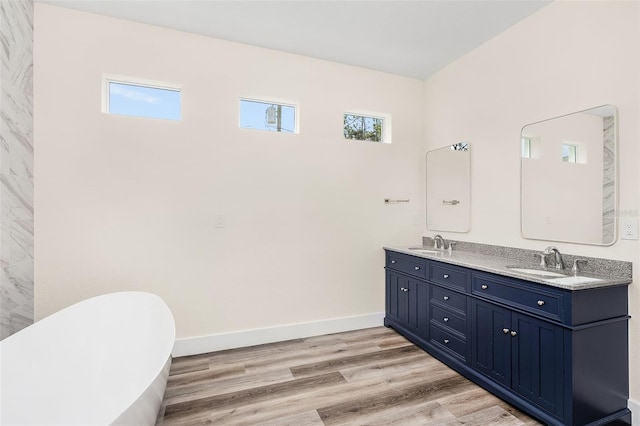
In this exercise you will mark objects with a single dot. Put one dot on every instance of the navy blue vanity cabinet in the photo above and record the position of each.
(448, 321)
(491, 346)
(403, 302)
(562, 356)
(563, 351)
(407, 294)
(448, 310)
(521, 352)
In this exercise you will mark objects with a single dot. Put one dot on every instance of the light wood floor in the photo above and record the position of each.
(365, 377)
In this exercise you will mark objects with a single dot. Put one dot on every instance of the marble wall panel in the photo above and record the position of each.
(16, 165)
(609, 176)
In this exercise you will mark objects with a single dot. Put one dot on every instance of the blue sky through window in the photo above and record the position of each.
(142, 101)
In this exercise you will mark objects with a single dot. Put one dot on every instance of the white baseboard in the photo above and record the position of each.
(239, 339)
(634, 406)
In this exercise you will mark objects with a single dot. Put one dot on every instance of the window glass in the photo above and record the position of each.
(269, 116)
(526, 147)
(144, 101)
(363, 128)
(569, 153)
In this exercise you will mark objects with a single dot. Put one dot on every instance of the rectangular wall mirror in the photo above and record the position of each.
(449, 188)
(568, 178)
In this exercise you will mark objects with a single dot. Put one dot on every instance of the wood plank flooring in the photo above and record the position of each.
(365, 377)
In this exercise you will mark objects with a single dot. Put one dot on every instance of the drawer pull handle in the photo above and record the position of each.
(446, 341)
(445, 297)
(540, 302)
(505, 330)
(445, 276)
(484, 286)
(417, 268)
(393, 261)
(445, 319)
(514, 334)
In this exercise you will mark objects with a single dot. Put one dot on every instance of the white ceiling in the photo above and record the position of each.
(409, 38)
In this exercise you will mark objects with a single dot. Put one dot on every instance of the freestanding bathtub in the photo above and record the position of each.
(102, 361)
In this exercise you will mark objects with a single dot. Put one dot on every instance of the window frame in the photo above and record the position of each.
(386, 124)
(572, 154)
(139, 82)
(271, 101)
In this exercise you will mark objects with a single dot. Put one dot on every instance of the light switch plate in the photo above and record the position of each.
(629, 229)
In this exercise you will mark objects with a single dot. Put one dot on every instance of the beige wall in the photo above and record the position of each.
(125, 203)
(567, 57)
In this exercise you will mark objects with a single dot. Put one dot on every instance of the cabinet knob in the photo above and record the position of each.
(514, 334)
(445, 319)
(505, 330)
(540, 302)
(446, 341)
(417, 268)
(393, 261)
(445, 297)
(401, 288)
(484, 286)
(445, 276)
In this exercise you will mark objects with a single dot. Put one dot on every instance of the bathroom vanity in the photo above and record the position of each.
(556, 348)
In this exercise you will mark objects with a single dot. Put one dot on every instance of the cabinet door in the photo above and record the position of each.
(407, 302)
(396, 299)
(491, 341)
(417, 316)
(537, 350)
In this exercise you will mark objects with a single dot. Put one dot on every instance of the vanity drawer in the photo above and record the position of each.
(448, 319)
(447, 275)
(407, 264)
(448, 341)
(450, 299)
(538, 301)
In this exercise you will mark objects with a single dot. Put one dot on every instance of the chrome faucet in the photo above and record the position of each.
(558, 256)
(436, 239)
(576, 265)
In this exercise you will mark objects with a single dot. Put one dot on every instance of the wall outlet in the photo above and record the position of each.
(220, 222)
(629, 229)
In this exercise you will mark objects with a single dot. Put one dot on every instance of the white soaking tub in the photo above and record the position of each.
(102, 361)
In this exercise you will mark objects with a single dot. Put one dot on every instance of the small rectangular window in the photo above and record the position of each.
(569, 153)
(140, 98)
(269, 116)
(526, 147)
(364, 128)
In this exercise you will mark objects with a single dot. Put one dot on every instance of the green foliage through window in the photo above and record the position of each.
(363, 128)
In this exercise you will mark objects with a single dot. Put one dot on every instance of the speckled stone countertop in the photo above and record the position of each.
(497, 260)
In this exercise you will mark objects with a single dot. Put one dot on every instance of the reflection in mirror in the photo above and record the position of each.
(449, 188)
(568, 178)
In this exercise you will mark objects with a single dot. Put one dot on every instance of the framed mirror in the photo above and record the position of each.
(568, 178)
(449, 188)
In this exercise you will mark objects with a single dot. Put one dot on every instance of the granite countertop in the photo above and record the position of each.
(499, 265)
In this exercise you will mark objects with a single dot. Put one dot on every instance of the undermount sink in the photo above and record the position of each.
(537, 272)
(575, 280)
(555, 277)
(424, 251)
